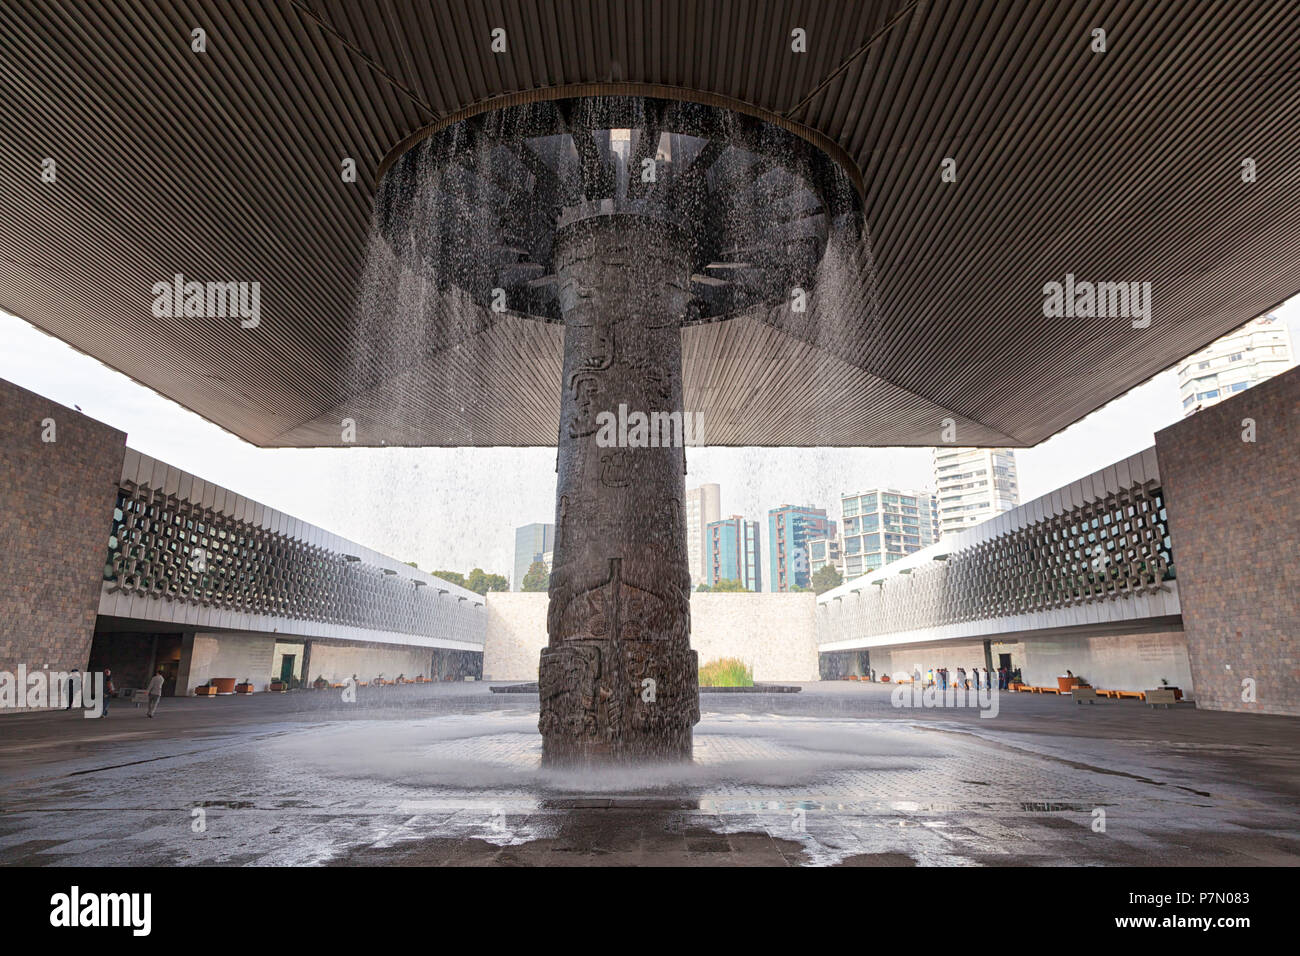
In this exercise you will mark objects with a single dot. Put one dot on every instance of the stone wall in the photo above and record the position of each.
(1234, 515)
(774, 633)
(204, 656)
(54, 525)
(336, 662)
(1114, 661)
(254, 656)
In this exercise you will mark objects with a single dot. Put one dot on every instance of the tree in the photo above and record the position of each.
(825, 578)
(480, 582)
(730, 585)
(703, 588)
(537, 578)
(453, 577)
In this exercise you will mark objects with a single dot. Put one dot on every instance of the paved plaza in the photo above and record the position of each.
(834, 775)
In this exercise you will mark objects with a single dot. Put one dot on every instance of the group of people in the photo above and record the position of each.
(977, 678)
(155, 690)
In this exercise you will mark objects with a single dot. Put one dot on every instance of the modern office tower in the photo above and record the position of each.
(789, 529)
(883, 525)
(734, 553)
(824, 551)
(532, 541)
(1254, 353)
(974, 485)
(703, 507)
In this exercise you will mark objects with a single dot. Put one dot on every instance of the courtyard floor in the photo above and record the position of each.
(834, 775)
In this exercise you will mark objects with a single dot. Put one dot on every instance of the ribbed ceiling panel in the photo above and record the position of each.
(225, 166)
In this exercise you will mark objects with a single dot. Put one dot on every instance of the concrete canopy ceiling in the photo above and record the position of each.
(225, 165)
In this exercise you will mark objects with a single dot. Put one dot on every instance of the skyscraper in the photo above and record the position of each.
(734, 553)
(974, 485)
(883, 525)
(1255, 352)
(703, 507)
(824, 551)
(532, 541)
(789, 529)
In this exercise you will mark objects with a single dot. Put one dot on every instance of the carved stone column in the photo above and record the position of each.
(618, 680)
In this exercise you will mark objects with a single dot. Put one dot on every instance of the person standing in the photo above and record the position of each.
(155, 692)
(72, 687)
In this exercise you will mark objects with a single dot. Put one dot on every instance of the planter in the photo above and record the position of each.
(277, 687)
(224, 685)
(1063, 684)
(208, 691)
(243, 688)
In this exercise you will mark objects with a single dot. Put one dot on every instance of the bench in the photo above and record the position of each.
(1082, 692)
(1160, 697)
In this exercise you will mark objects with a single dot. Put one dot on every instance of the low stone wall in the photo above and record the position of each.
(775, 634)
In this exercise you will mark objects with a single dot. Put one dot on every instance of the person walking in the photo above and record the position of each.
(108, 692)
(72, 687)
(155, 692)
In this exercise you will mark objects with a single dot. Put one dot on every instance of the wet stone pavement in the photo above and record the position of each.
(835, 775)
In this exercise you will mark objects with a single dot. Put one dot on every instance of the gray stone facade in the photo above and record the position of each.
(58, 506)
(1234, 514)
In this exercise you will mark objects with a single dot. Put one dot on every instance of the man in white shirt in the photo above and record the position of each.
(155, 692)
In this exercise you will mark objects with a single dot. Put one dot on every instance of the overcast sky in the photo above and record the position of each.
(457, 508)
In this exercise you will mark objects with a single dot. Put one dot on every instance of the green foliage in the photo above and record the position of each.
(480, 582)
(825, 578)
(726, 672)
(730, 585)
(703, 589)
(537, 578)
(454, 577)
